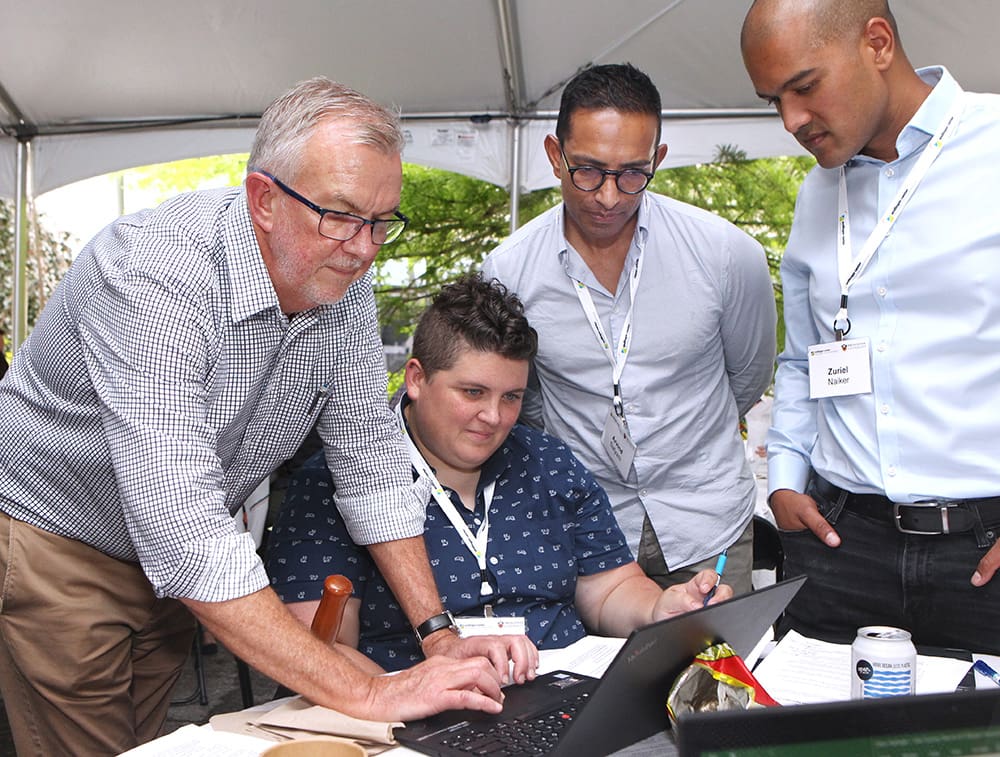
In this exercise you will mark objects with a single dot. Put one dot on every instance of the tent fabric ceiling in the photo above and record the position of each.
(104, 84)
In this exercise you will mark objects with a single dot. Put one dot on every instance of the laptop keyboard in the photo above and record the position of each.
(537, 735)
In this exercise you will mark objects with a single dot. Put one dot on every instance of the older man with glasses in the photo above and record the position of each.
(186, 355)
(656, 332)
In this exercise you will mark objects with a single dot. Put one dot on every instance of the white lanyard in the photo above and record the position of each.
(476, 543)
(617, 357)
(850, 269)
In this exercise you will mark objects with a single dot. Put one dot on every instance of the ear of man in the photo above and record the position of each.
(260, 200)
(880, 42)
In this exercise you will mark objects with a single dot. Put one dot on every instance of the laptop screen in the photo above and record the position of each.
(628, 703)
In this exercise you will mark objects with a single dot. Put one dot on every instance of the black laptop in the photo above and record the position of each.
(563, 713)
(929, 725)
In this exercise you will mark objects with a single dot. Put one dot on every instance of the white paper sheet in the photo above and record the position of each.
(590, 656)
(800, 670)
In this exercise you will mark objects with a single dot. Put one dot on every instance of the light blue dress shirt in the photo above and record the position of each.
(702, 353)
(929, 302)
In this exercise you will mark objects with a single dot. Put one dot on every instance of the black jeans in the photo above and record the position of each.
(879, 576)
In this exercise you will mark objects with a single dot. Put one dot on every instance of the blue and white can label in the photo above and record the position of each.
(883, 663)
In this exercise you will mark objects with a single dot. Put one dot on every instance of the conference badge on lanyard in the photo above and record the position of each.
(843, 367)
(840, 369)
(616, 439)
(490, 626)
(617, 442)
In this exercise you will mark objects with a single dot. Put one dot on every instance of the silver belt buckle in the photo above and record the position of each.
(942, 507)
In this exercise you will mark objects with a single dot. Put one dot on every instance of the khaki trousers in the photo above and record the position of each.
(737, 573)
(88, 654)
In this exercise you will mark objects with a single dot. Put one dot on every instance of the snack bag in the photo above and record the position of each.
(718, 679)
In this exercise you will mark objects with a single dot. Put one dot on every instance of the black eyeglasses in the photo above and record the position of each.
(630, 181)
(336, 224)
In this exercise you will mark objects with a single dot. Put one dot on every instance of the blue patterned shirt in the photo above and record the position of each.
(550, 522)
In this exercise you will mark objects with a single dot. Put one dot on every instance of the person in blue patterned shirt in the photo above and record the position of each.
(516, 528)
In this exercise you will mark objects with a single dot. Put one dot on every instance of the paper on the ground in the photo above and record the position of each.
(590, 656)
(200, 741)
(801, 670)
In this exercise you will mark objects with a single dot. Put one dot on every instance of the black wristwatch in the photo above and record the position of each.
(435, 623)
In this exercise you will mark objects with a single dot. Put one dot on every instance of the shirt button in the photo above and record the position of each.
(889, 173)
(476, 521)
(891, 470)
(642, 492)
(631, 407)
(493, 561)
(884, 409)
(882, 291)
(882, 346)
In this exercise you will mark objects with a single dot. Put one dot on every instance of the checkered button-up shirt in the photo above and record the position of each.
(162, 383)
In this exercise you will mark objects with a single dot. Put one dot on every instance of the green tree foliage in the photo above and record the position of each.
(454, 223)
(49, 257)
(457, 220)
(164, 180)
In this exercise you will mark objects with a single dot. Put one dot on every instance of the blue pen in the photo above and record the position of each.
(986, 670)
(720, 565)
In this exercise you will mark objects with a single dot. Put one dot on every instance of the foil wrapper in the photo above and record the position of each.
(718, 679)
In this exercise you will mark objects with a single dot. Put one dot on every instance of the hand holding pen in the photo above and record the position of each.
(720, 565)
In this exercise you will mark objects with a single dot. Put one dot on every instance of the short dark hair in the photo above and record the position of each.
(471, 312)
(618, 86)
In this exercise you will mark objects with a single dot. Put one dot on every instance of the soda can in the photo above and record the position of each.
(883, 663)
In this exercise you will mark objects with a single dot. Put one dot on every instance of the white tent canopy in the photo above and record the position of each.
(104, 84)
(96, 86)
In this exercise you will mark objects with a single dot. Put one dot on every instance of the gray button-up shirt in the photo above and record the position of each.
(702, 353)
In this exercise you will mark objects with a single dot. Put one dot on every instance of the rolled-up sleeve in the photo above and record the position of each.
(365, 452)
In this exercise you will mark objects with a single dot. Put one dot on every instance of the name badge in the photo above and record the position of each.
(617, 443)
(493, 626)
(840, 369)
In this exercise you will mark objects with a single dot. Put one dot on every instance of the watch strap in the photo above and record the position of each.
(433, 624)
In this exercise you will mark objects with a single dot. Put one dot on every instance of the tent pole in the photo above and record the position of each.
(515, 174)
(22, 201)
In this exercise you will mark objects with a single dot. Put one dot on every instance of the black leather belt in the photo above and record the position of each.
(940, 516)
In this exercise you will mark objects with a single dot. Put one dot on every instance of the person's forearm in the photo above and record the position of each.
(628, 607)
(259, 630)
(407, 570)
(262, 632)
(616, 602)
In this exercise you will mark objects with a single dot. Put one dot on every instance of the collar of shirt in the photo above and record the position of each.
(929, 115)
(579, 270)
(250, 283)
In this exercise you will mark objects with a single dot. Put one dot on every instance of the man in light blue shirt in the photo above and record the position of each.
(908, 173)
(656, 325)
